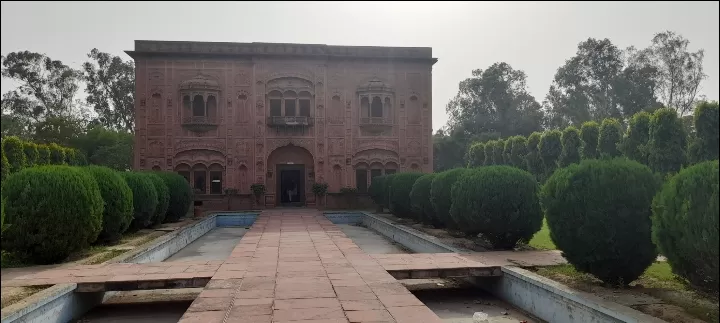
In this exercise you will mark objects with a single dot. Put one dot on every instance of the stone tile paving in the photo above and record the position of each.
(296, 266)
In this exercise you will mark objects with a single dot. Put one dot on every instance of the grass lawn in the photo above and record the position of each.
(542, 240)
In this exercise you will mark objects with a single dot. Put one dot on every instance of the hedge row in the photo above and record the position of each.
(55, 210)
(499, 202)
(18, 154)
(657, 140)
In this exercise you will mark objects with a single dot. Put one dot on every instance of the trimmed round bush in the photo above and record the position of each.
(570, 147)
(598, 213)
(507, 150)
(145, 199)
(377, 190)
(53, 211)
(706, 145)
(609, 139)
(118, 200)
(685, 224)
(388, 186)
(5, 167)
(163, 196)
(57, 154)
(440, 195)
(43, 155)
(499, 202)
(489, 148)
(498, 151)
(636, 137)
(420, 199)
(13, 149)
(400, 189)
(518, 152)
(476, 155)
(589, 133)
(31, 153)
(180, 195)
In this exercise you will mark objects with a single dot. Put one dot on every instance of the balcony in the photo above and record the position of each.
(376, 124)
(294, 121)
(199, 123)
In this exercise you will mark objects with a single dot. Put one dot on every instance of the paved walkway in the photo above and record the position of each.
(296, 266)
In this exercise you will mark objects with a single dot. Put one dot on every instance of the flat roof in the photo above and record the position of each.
(144, 48)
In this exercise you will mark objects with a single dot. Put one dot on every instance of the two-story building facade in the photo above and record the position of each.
(228, 115)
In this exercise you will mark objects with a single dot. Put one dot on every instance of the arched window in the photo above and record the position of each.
(216, 179)
(364, 107)
(211, 106)
(290, 99)
(361, 178)
(413, 111)
(387, 108)
(184, 170)
(376, 109)
(242, 112)
(198, 106)
(304, 103)
(275, 103)
(200, 178)
(186, 102)
(336, 110)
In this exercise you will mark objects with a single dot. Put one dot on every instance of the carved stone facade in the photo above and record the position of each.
(227, 115)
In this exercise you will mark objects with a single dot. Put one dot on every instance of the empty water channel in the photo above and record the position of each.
(455, 301)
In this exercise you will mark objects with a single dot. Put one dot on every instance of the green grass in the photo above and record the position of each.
(541, 240)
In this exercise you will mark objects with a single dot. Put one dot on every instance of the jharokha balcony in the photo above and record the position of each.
(200, 123)
(289, 121)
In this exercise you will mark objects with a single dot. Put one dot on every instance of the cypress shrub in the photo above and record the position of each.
(43, 155)
(666, 147)
(634, 144)
(550, 149)
(145, 199)
(15, 154)
(440, 195)
(180, 195)
(589, 133)
(532, 159)
(500, 202)
(507, 150)
(57, 154)
(598, 213)
(400, 194)
(705, 145)
(571, 143)
(498, 148)
(609, 139)
(420, 199)
(53, 211)
(5, 166)
(476, 155)
(489, 151)
(377, 190)
(388, 186)
(118, 201)
(163, 196)
(518, 152)
(31, 153)
(685, 224)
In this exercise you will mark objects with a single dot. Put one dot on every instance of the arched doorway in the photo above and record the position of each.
(290, 170)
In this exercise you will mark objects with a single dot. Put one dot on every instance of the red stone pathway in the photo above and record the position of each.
(296, 266)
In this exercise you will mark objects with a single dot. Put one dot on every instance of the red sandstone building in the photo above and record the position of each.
(227, 115)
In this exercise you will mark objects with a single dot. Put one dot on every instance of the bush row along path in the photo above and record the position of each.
(294, 264)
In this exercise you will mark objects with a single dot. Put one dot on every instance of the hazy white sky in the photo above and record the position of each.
(536, 37)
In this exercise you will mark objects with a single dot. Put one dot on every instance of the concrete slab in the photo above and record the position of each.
(214, 245)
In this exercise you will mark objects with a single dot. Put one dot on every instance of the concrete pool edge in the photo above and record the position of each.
(519, 287)
(59, 303)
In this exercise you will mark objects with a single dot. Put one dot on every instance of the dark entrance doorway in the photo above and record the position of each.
(291, 185)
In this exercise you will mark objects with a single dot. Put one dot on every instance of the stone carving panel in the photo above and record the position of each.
(155, 76)
(375, 155)
(206, 143)
(336, 146)
(414, 131)
(335, 131)
(367, 144)
(244, 148)
(156, 148)
(202, 156)
(413, 148)
(320, 126)
(242, 79)
(277, 143)
(156, 130)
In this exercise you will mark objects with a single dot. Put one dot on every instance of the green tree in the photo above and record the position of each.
(476, 155)
(666, 147)
(110, 89)
(31, 153)
(448, 150)
(597, 83)
(498, 150)
(705, 144)
(680, 72)
(570, 147)
(634, 143)
(13, 149)
(106, 147)
(490, 153)
(609, 139)
(550, 149)
(495, 100)
(589, 133)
